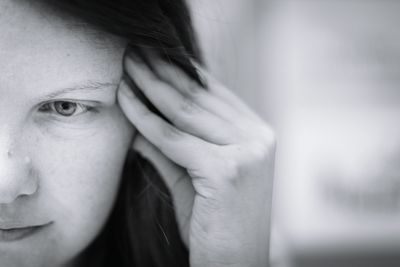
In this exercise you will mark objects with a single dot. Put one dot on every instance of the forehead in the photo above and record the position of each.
(40, 45)
(22, 18)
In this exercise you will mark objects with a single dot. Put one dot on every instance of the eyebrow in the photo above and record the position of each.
(87, 86)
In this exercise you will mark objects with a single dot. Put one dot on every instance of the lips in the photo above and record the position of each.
(9, 234)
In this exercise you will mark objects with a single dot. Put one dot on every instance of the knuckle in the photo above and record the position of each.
(176, 119)
(170, 132)
(189, 106)
(220, 168)
(263, 148)
(183, 116)
(144, 112)
(230, 171)
(264, 140)
(268, 137)
(181, 121)
(261, 152)
(192, 88)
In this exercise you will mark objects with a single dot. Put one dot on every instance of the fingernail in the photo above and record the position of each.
(134, 57)
(202, 78)
(125, 90)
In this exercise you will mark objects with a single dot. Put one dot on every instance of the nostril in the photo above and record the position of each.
(17, 178)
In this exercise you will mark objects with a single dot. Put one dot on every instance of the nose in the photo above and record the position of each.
(16, 176)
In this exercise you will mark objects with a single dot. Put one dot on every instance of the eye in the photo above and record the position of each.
(64, 108)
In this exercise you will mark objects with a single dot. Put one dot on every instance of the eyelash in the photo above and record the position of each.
(51, 107)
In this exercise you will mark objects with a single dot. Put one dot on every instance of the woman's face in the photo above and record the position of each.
(63, 138)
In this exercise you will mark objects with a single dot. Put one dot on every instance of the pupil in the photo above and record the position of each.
(65, 108)
(66, 105)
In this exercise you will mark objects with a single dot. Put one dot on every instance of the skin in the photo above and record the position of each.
(63, 170)
(216, 157)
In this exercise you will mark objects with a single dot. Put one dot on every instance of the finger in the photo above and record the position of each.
(190, 88)
(223, 93)
(218, 99)
(182, 111)
(184, 149)
(168, 170)
(176, 179)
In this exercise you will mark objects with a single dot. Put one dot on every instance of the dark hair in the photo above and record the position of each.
(142, 229)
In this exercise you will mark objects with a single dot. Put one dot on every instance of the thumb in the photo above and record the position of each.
(176, 179)
(169, 171)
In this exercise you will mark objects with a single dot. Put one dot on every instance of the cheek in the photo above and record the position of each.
(79, 179)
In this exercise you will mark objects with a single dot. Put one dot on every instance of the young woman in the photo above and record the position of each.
(118, 148)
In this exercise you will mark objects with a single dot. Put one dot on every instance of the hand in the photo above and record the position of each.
(216, 157)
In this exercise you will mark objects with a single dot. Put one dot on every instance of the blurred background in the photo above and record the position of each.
(325, 74)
